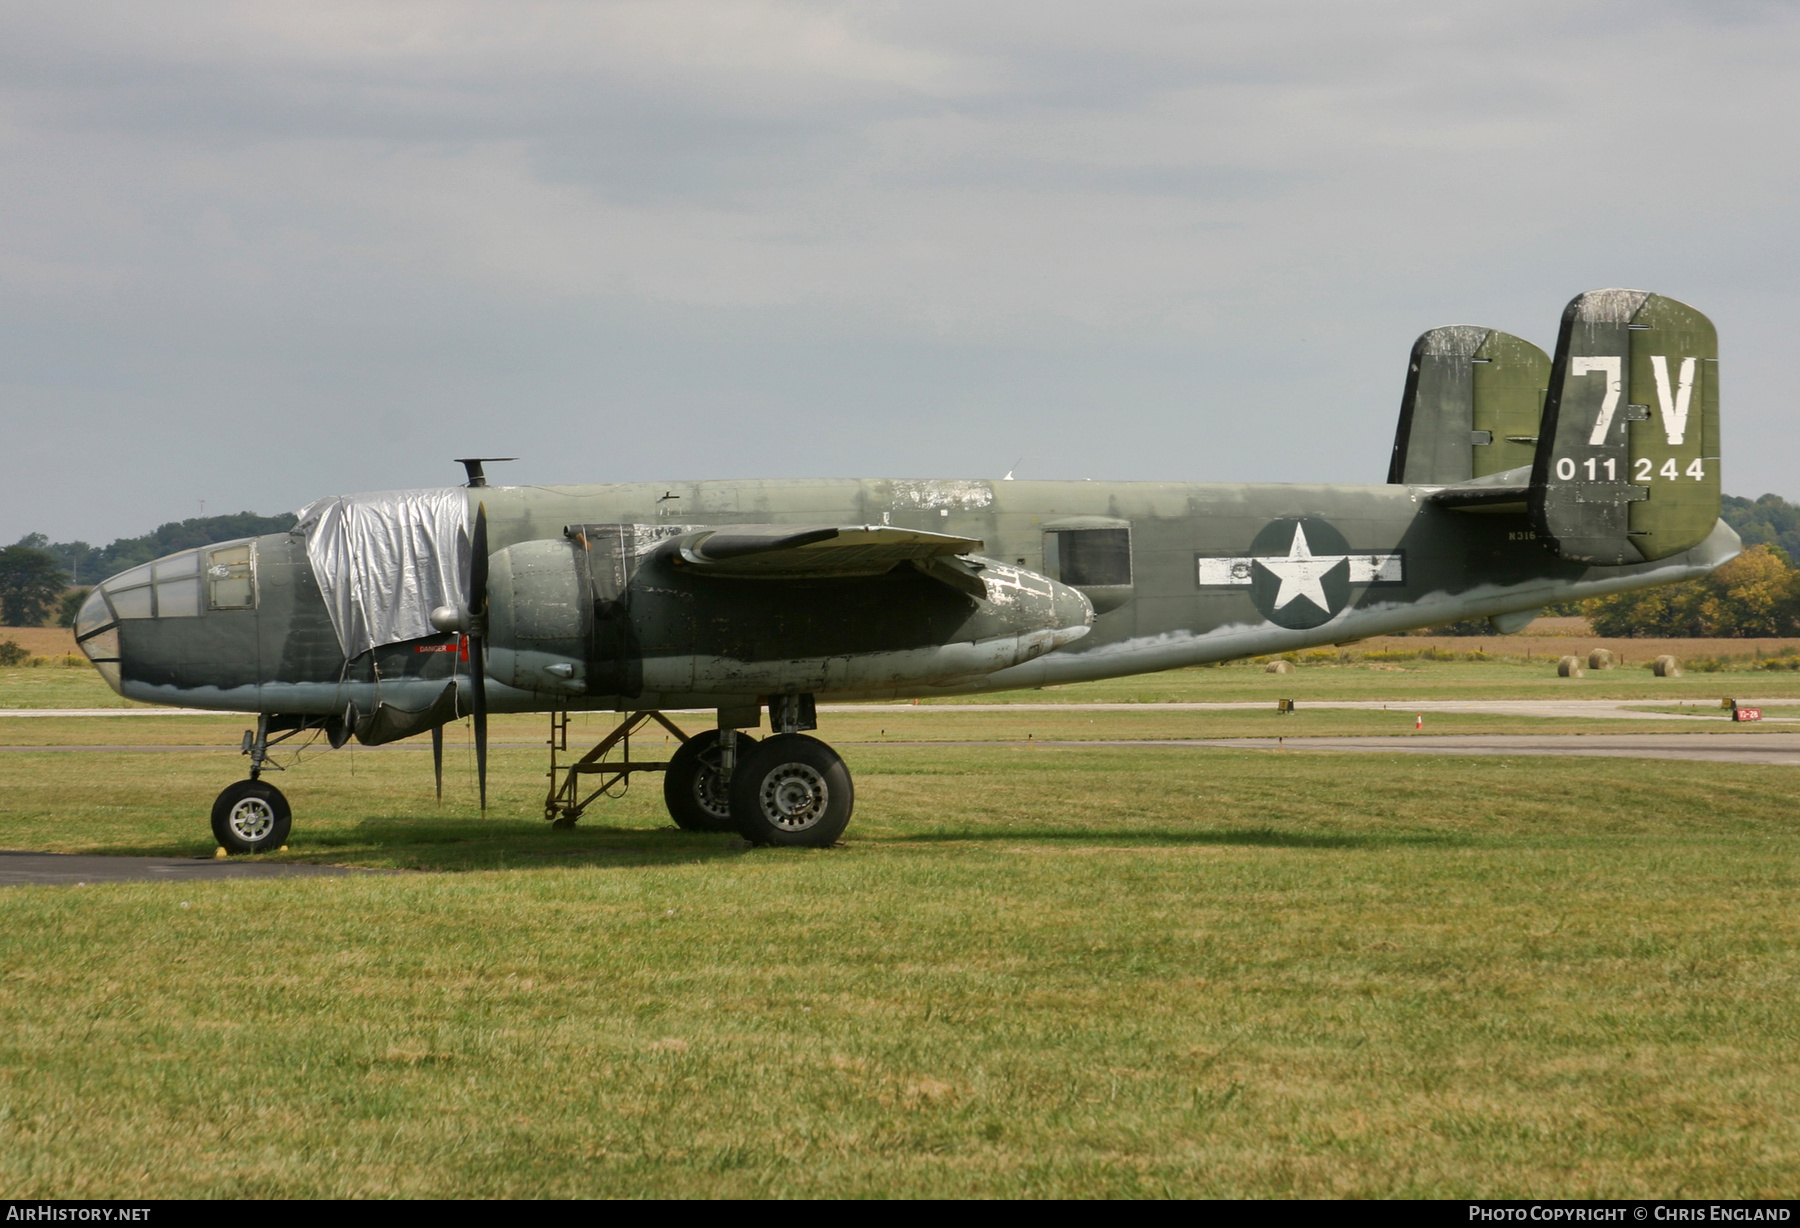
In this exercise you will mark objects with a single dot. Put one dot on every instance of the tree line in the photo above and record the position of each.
(85, 564)
(40, 578)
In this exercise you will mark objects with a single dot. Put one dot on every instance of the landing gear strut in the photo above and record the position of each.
(564, 803)
(697, 785)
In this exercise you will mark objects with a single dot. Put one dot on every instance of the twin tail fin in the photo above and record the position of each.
(1611, 448)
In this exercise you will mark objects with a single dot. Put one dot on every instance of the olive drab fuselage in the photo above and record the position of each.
(1178, 574)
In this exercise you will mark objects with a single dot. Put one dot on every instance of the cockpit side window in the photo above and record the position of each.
(231, 577)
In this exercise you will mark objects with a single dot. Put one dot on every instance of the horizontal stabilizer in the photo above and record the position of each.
(781, 551)
(1496, 492)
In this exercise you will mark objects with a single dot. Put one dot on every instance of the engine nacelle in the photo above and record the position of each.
(563, 621)
(540, 617)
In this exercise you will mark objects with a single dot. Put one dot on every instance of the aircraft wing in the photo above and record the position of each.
(779, 551)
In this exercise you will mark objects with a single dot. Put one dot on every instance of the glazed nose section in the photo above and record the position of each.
(97, 635)
(136, 613)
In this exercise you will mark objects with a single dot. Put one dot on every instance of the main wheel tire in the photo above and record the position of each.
(251, 816)
(792, 791)
(693, 790)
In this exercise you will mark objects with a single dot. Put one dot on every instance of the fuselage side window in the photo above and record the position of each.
(1094, 557)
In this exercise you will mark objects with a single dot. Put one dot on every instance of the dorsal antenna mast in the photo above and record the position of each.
(473, 464)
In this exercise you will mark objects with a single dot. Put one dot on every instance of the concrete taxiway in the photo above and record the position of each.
(79, 869)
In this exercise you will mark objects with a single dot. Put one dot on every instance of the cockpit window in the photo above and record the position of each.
(174, 594)
(187, 563)
(178, 598)
(94, 615)
(178, 585)
(231, 573)
(133, 602)
(175, 587)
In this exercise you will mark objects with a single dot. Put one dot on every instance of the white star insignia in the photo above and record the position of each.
(1301, 571)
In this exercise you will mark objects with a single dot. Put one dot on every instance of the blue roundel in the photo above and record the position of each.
(1299, 572)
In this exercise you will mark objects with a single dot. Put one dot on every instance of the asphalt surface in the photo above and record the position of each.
(1782, 748)
(1592, 709)
(80, 869)
(1779, 748)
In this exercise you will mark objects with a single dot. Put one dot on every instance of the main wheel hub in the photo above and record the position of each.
(710, 788)
(794, 796)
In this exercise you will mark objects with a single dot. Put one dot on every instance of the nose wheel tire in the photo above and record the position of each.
(251, 816)
(693, 789)
(792, 791)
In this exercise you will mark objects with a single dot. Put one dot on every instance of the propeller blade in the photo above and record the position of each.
(478, 563)
(478, 681)
(478, 603)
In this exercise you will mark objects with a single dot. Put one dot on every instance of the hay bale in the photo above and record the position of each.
(1600, 658)
(1570, 667)
(1279, 667)
(1666, 666)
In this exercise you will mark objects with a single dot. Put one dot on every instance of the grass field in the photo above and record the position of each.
(1029, 971)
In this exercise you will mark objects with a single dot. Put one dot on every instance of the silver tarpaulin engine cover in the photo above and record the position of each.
(385, 560)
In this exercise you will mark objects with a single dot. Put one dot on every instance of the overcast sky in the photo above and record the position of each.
(253, 253)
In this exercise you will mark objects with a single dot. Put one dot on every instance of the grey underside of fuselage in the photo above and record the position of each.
(284, 656)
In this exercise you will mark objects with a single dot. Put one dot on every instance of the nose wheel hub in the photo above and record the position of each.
(251, 820)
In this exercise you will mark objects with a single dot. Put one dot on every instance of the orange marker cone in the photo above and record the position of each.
(1419, 721)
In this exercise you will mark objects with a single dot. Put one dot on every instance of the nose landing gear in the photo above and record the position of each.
(251, 816)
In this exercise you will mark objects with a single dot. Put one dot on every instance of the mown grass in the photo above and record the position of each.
(1029, 971)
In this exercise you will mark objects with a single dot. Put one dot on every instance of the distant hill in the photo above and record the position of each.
(87, 564)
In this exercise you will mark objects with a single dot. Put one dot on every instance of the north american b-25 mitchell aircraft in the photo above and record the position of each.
(1516, 480)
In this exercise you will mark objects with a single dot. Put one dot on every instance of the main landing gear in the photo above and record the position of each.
(789, 790)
